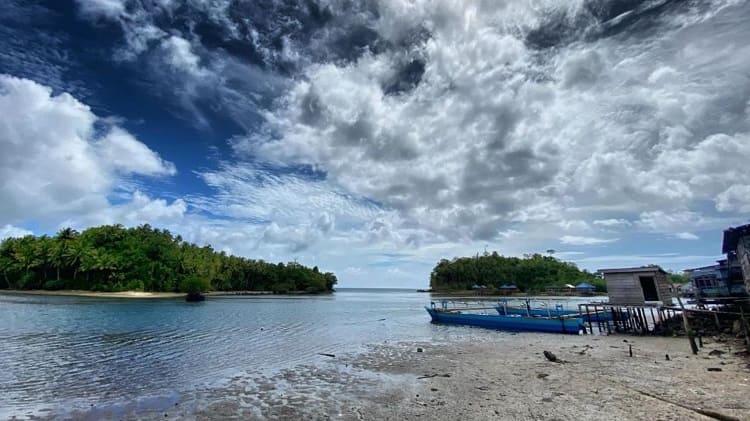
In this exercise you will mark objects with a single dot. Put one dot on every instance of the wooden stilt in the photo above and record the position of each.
(653, 319)
(718, 323)
(662, 326)
(745, 328)
(689, 332)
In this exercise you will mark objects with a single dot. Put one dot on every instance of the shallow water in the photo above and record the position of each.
(60, 352)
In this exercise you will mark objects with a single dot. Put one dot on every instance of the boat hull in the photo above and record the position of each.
(570, 325)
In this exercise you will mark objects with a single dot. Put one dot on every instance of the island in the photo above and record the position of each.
(492, 273)
(144, 261)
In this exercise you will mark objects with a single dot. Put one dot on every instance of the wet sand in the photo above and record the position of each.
(81, 293)
(496, 376)
(499, 377)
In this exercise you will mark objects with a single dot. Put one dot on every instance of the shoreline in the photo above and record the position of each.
(94, 294)
(494, 375)
(499, 376)
(147, 295)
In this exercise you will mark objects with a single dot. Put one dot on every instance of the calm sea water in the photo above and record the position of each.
(60, 351)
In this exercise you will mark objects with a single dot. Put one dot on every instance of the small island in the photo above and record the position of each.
(492, 273)
(144, 261)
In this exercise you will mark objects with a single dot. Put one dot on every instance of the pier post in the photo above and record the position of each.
(653, 319)
(718, 323)
(745, 328)
(609, 329)
(633, 312)
(689, 332)
(661, 319)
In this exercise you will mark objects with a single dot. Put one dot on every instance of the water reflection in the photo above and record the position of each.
(56, 350)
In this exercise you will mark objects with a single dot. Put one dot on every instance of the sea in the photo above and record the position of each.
(61, 352)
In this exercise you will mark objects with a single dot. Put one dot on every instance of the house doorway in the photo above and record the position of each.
(648, 285)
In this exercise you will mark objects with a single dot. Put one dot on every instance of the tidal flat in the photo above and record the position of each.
(480, 379)
(353, 356)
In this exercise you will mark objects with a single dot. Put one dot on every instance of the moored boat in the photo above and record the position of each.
(601, 316)
(518, 323)
(504, 309)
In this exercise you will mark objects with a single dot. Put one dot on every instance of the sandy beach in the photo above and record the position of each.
(496, 377)
(597, 380)
(79, 293)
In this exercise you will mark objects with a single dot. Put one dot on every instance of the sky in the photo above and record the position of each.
(374, 138)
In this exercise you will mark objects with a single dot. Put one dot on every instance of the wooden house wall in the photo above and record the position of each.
(624, 288)
(743, 255)
(662, 286)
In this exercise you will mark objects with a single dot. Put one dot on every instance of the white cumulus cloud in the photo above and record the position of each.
(55, 163)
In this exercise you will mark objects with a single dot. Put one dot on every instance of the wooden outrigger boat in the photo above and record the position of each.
(558, 311)
(517, 323)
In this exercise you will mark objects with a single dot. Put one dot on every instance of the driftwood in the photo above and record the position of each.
(429, 376)
(706, 412)
(326, 355)
(585, 348)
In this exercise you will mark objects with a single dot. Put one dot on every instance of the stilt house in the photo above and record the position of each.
(736, 245)
(637, 286)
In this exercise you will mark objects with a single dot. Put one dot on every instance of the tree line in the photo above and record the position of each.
(530, 273)
(114, 258)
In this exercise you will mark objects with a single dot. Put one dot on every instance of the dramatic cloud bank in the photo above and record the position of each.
(428, 127)
(648, 121)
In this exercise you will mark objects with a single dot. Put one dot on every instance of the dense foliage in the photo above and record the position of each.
(114, 258)
(530, 273)
(679, 278)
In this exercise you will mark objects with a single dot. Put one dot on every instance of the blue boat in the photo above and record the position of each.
(558, 311)
(570, 325)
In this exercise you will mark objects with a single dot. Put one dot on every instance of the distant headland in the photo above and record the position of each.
(142, 262)
(494, 274)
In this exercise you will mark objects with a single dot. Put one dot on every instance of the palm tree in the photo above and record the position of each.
(65, 238)
(66, 234)
(6, 265)
(73, 255)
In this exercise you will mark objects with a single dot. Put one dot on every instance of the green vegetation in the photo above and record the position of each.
(531, 273)
(679, 278)
(114, 258)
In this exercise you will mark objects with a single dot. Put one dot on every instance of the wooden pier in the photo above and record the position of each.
(604, 318)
